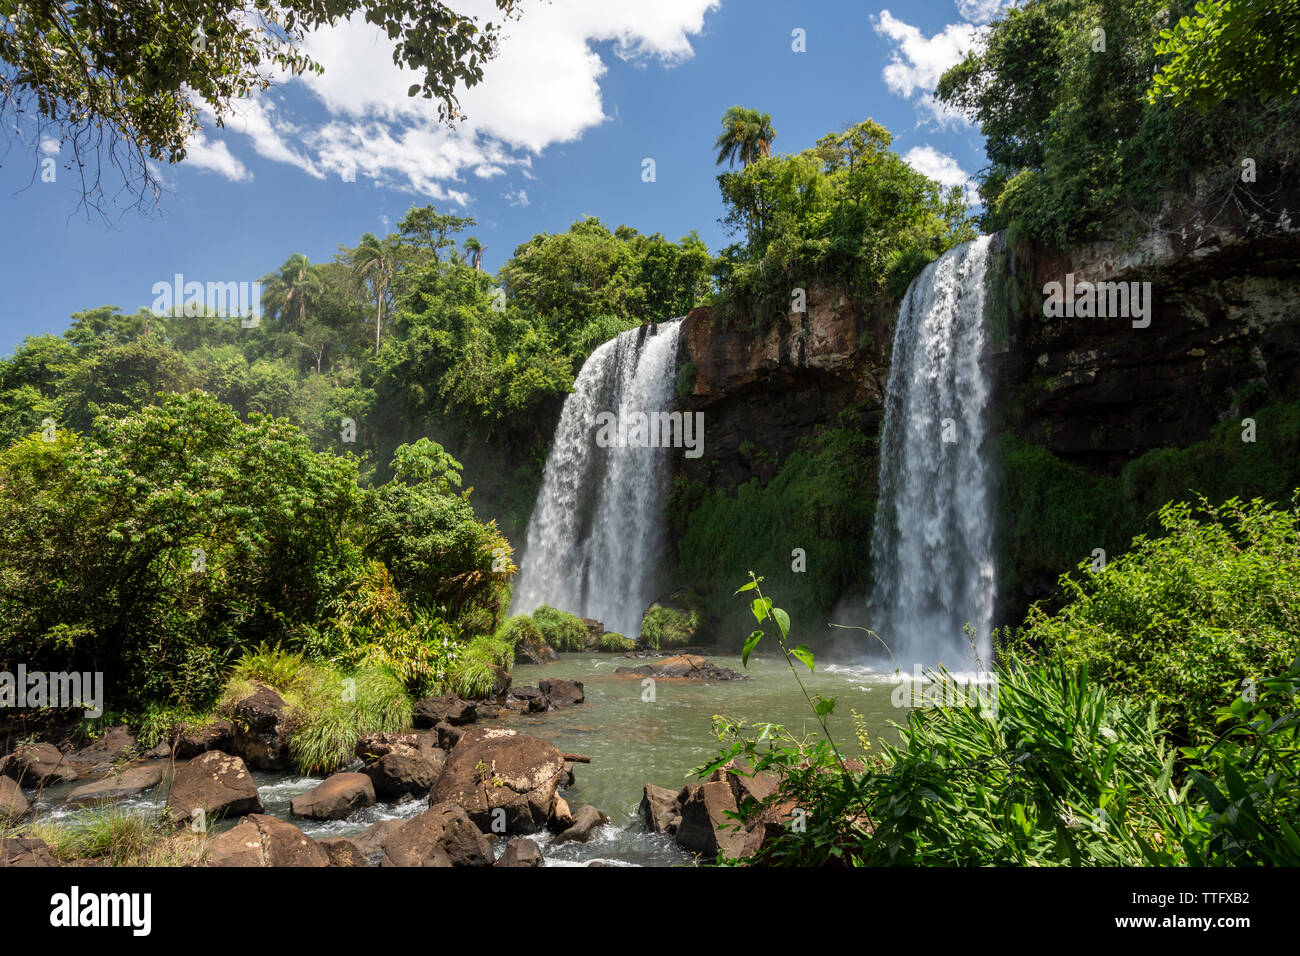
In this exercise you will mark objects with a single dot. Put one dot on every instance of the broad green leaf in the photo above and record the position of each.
(750, 644)
(803, 654)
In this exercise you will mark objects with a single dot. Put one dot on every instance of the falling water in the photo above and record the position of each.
(932, 546)
(596, 535)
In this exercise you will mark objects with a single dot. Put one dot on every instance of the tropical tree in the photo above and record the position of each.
(430, 231)
(475, 250)
(290, 288)
(372, 262)
(746, 135)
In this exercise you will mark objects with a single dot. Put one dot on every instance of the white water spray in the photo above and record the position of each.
(932, 544)
(596, 537)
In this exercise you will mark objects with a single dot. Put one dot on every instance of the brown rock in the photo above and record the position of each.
(216, 783)
(448, 708)
(337, 797)
(26, 851)
(562, 692)
(37, 765)
(370, 841)
(192, 741)
(111, 745)
(682, 667)
(117, 786)
(342, 852)
(395, 775)
(521, 852)
(13, 805)
(443, 835)
(260, 840)
(561, 816)
(660, 810)
(261, 733)
(493, 769)
(705, 827)
(585, 821)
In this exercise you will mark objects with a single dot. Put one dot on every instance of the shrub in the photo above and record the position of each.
(615, 642)
(667, 627)
(562, 630)
(1181, 619)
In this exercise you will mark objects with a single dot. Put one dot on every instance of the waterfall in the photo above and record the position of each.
(932, 544)
(595, 538)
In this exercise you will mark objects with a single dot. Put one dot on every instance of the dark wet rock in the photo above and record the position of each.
(370, 841)
(448, 735)
(705, 827)
(342, 852)
(13, 805)
(443, 835)
(585, 821)
(495, 769)
(37, 766)
(448, 709)
(595, 630)
(337, 797)
(113, 744)
(532, 698)
(562, 692)
(26, 851)
(532, 651)
(660, 809)
(682, 667)
(193, 741)
(261, 732)
(402, 773)
(521, 852)
(118, 786)
(261, 840)
(217, 784)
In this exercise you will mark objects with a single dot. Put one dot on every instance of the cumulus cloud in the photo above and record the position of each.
(542, 89)
(919, 60)
(215, 157)
(943, 169)
(981, 11)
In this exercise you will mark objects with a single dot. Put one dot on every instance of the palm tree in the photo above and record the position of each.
(291, 286)
(372, 261)
(746, 135)
(475, 250)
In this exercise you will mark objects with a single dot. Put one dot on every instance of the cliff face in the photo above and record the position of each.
(1224, 332)
(761, 392)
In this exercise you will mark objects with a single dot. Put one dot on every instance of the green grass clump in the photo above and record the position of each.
(614, 642)
(562, 630)
(668, 627)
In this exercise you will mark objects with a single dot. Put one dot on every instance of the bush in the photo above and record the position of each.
(614, 642)
(1181, 619)
(562, 630)
(668, 627)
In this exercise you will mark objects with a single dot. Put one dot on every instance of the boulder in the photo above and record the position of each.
(260, 733)
(261, 840)
(493, 769)
(117, 786)
(371, 747)
(337, 797)
(764, 827)
(595, 630)
(567, 778)
(585, 821)
(398, 774)
(26, 851)
(448, 709)
(215, 783)
(660, 810)
(532, 698)
(705, 827)
(342, 852)
(562, 692)
(448, 735)
(443, 835)
(111, 745)
(37, 765)
(13, 805)
(745, 784)
(370, 841)
(561, 816)
(192, 741)
(530, 651)
(501, 680)
(521, 852)
(682, 667)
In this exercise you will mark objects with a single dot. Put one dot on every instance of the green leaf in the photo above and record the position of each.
(782, 621)
(825, 705)
(760, 607)
(750, 644)
(803, 654)
(747, 587)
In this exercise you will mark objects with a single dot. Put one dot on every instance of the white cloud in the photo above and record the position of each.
(981, 11)
(516, 197)
(918, 61)
(542, 89)
(202, 153)
(50, 146)
(943, 169)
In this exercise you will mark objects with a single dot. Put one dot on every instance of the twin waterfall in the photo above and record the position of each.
(932, 545)
(597, 532)
(596, 536)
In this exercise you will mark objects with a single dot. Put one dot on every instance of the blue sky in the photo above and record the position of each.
(582, 93)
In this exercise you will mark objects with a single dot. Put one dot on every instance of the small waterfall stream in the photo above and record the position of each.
(595, 538)
(932, 543)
